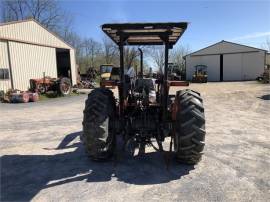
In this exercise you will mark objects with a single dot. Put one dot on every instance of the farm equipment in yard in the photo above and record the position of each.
(105, 71)
(60, 85)
(174, 73)
(200, 74)
(265, 76)
(87, 81)
(115, 74)
(145, 111)
(17, 96)
(85, 84)
(108, 73)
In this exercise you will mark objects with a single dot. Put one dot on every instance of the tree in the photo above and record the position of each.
(266, 45)
(46, 12)
(177, 55)
(131, 54)
(91, 49)
(110, 51)
(75, 40)
(157, 54)
(13, 10)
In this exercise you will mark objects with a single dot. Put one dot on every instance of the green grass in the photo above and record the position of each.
(44, 97)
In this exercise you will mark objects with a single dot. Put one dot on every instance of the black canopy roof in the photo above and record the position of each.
(145, 33)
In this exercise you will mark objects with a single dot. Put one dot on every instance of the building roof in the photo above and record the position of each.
(224, 47)
(145, 33)
(32, 32)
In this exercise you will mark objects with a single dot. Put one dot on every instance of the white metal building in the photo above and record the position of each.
(28, 50)
(227, 61)
(268, 59)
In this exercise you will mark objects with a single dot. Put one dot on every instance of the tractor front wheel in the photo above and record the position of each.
(189, 127)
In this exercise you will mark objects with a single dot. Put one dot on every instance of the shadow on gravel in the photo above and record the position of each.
(265, 97)
(23, 176)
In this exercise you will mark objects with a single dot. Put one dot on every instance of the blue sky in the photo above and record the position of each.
(246, 22)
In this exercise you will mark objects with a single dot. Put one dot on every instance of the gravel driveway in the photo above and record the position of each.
(43, 160)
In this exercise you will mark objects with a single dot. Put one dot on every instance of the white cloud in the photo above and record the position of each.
(252, 36)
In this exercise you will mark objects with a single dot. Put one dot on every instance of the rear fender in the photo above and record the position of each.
(106, 83)
(176, 83)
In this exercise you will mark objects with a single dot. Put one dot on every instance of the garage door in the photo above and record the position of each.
(30, 61)
(253, 65)
(232, 67)
(211, 61)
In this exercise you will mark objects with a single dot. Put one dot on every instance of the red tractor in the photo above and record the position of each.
(60, 85)
(144, 111)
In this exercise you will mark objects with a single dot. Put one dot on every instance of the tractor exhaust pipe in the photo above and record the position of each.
(141, 67)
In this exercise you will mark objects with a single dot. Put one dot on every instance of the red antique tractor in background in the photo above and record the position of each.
(60, 85)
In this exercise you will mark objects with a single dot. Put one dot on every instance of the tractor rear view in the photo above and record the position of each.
(145, 113)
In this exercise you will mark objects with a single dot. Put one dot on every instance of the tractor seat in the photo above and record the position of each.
(144, 84)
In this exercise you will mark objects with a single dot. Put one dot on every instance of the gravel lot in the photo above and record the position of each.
(43, 160)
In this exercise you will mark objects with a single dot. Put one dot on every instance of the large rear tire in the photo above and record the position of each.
(189, 127)
(64, 86)
(98, 136)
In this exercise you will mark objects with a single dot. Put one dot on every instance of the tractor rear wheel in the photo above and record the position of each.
(190, 127)
(64, 86)
(98, 135)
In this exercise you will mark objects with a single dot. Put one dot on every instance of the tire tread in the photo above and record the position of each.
(98, 140)
(190, 127)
